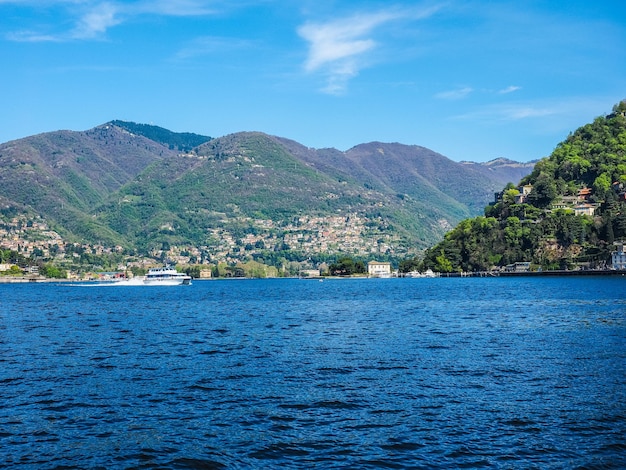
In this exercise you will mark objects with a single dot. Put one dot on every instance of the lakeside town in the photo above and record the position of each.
(36, 241)
(241, 254)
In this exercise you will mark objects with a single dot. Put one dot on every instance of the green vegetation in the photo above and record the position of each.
(181, 141)
(11, 257)
(549, 226)
(243, 197)
(52, 271)
(19, 261)
(347, 266)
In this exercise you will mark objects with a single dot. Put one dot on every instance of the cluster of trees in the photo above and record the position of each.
(52, 271)
(347, 266)
(18, 261)
(182, 141)
(593, 157)
(12, 257)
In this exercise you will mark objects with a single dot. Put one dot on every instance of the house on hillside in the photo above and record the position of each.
(379, 269)
(520, 198)
(618, 257)
(579, 204)
(584, 193)
(585, 209)
(524, 191)
(565, 202)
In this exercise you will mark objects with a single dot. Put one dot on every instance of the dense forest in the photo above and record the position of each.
(181, 141)
(565, 215)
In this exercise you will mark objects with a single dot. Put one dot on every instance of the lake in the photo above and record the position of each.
(506, 373)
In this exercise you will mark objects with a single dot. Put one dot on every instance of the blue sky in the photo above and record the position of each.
(472, 80)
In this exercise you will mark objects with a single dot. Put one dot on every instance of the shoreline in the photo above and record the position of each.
(604, 272)
(484, 274)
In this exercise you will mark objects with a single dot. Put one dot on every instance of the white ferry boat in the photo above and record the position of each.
(165, 276)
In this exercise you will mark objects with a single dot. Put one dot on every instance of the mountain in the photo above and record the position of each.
(440, 185)
(146, 188)
(566, 214)
(503, 169)
(63, 175)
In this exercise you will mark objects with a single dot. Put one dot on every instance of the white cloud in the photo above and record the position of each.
(516, 111)
(338, 48)
(92, 19)
(339, 40)
(460, 93)
(335, 47)
(509, 89)
(31, 36)
(97, 20)
(456, 94)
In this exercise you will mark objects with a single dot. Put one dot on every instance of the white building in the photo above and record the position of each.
(619, 257)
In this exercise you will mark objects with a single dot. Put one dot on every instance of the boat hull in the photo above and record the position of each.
(167, 282)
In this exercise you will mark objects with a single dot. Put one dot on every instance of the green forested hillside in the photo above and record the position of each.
(240, 196)
(64, 175)
(573, 213)
(234, 180)
(181, 141)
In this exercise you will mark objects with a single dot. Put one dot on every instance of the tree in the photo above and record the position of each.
(620, 107)
(193, 271)
(620, 225)
(602, 185)
(346, 266)
(15, 270)
(51, 271)
(444, 265)
(544, 191)
(408, 265)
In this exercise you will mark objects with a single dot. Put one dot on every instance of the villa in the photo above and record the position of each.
(379, 269)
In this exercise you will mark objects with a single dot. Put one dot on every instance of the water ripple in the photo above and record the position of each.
(426, 373)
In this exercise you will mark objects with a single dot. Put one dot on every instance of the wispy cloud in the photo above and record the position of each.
(338, 48)
(463, 92)
(31, 36)
(456, 94)
(97, 21)
(538, 117)
(93, 18)
(177, 7)
(509, 89)
(210, 45)
(516, 111)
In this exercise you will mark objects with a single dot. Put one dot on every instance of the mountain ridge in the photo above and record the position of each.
(112, 184)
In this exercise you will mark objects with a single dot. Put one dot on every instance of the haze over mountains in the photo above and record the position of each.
(142, 186)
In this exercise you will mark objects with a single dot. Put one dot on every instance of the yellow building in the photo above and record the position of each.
(379, 269)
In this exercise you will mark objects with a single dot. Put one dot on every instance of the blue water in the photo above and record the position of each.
(507, 373)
